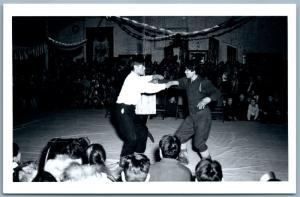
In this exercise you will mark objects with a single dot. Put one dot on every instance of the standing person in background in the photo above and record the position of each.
(200, 92)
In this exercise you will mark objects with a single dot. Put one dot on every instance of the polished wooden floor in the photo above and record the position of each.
(246, 150)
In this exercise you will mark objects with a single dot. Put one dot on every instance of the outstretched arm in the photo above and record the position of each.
(149, 78)
(155, 87)
(172, 83)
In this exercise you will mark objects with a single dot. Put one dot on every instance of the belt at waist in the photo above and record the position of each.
(125, 105)
(196, 110)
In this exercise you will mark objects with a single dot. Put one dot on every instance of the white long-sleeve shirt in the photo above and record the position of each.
(134, 85)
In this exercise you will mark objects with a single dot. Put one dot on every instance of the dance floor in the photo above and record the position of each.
(246, 150)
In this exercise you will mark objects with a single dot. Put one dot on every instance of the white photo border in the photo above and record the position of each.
(10, 10)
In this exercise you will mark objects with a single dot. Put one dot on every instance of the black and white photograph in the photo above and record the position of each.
(198, 99)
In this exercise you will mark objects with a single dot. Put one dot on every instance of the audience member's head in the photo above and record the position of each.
(72, 147)
(208, 170)
(94, 154)
(25, 172)
(16, 153)
(242, 97)
(229, 100)
(270, 176)
(75, 148)
(252, 101)
(87, 173)
(73, 172)
(169, 146)
(57, 165)
(136, 168)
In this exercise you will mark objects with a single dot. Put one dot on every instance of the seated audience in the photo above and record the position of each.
(57, 165)
(253, 110)
(59, 153)
(84, 173)
(16, 155)
(169, 168)
(74, 147)
(208, 170)
(241, 107)
(229, 110)
(271, 110)
(94, 154)
(135, 168)
(25, 172)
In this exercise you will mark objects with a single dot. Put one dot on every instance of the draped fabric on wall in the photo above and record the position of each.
(100, 44)
(140, 31)
(213, 50)
(143, 31)
(23, 53)
(66, 46)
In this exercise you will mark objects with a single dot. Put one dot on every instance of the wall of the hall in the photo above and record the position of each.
(261, 35)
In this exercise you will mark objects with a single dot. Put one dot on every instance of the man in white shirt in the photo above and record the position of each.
(132, 129)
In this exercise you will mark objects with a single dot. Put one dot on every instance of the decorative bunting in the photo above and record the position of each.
(140, 26)
(143, 31)
(23, 53)
(70, 46)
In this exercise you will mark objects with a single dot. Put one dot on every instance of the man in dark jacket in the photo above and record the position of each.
(200, 92)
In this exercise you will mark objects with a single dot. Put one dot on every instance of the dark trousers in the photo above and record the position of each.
(132, 129)
(197, 126)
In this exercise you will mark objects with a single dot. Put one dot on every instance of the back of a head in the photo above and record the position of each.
(94, 154)
(57, 165)
(76, 147)
(169, 146)
(136, 167)
(84, 173)
(208, 170)
(270, 176)
(74, 172)
(44, 176)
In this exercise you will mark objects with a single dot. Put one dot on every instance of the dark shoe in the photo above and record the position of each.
(183, 157)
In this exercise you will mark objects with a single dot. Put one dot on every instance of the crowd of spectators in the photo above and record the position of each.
(89, 85)
(76, 159)
(79, 160)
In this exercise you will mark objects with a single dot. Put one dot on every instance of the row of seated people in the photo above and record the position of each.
(266, 109)
(73, 160)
